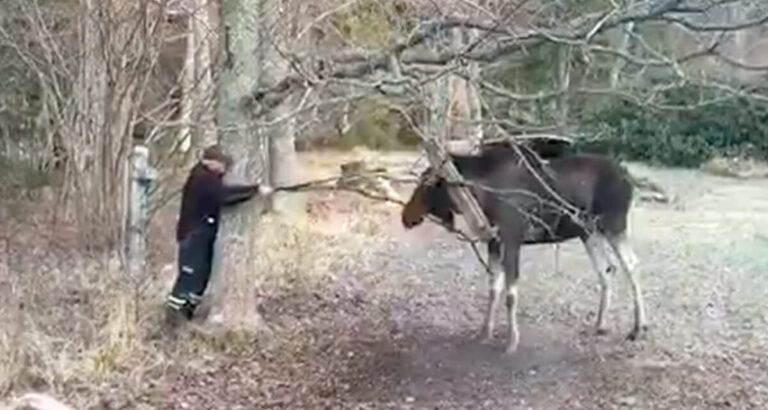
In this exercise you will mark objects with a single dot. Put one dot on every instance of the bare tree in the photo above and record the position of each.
(92, 65)
(286, 19)
(188, 71)
(521, 27)
(196, 119)
(233, 282)
(205, 36)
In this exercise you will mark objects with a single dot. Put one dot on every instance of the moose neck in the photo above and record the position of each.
(468, 165)
(473, 166)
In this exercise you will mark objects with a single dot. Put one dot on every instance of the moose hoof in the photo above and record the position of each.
(601, 331)
(484, 337)
(637, 333)
(511, 349)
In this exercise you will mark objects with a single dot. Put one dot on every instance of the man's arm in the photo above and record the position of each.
(234, 194)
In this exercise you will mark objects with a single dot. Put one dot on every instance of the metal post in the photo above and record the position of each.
(142, 177)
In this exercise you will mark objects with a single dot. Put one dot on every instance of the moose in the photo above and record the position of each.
(529, 200)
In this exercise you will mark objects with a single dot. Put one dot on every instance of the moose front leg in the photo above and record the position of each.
(496, 286)
(511, 263)
(598, 255)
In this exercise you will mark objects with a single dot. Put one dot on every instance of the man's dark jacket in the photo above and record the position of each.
(203, 196)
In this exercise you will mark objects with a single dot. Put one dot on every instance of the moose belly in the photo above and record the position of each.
(541, 232)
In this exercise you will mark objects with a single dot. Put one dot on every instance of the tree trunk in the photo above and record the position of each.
(284, 165)
(564, 83)
(625, 41)
(233, 283)
(197, 97)
(205, 95)
(117, 44)
(435, 146)
(186, 103)
(464, 111)
(88, 163)
(458, 108)
(475, 129)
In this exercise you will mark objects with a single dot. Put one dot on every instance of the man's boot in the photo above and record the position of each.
(177, 311)
(173, 317)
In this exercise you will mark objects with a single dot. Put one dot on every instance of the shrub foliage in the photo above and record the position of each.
(679, 137)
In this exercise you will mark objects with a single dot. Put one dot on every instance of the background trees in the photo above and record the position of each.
(81, 79)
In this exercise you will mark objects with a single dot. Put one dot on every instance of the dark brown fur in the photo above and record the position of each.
(203, 196)
(523, 197)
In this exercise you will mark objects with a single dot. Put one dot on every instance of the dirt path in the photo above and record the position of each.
(396, 330)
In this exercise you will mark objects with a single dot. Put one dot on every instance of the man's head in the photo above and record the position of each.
(216, 160)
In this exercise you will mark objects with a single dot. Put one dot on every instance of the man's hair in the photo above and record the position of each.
(215, 153)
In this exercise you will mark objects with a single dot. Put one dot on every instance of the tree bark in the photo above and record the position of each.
(284, 165)
(564, 83)
(435, 146)
(197, 97)
(625, 42)
(233, 282)
(475, 129)
(458, 95)
(205, 96)
(89, 149)
(91, 85)
(187, 87)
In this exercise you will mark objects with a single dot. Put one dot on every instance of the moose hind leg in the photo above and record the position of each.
(511, 263)
(628, 262)
(597, 251)
(496, 279)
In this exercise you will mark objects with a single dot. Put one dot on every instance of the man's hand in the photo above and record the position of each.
(265, 190)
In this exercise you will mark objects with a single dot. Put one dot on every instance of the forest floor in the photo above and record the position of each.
(374, 316)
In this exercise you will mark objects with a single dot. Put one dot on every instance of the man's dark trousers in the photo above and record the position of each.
(195, 263)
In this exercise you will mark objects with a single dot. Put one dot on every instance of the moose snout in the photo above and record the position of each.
(411, 221)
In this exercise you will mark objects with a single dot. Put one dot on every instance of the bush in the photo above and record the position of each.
(376, 126)
(20, 178)
(372, 23)
(679, 137)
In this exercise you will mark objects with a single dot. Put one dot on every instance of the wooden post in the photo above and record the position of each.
(142, 177)
(437, 154)
(461, 195)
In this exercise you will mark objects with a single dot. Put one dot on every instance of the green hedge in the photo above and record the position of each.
(679, 137)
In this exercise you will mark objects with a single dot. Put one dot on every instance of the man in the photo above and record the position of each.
(203, 196)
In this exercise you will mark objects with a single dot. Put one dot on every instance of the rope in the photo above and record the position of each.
(305, 185)
(323, 185)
